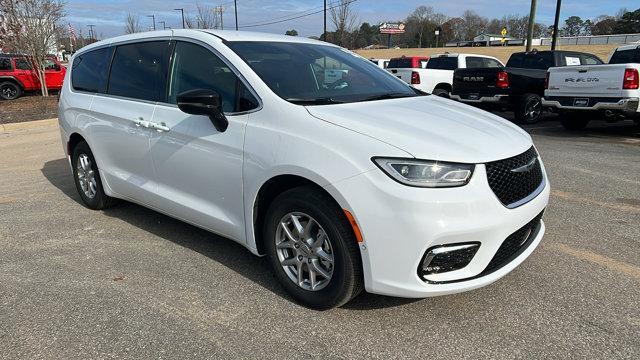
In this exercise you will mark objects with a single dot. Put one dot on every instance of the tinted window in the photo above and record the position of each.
(139, 71)
(591, 60)
(625, 56)
(515, 60)
(541, 61)
(491, 63)
(5, 64)
(195, 67)
(443, 63)
(475, 62)
(23, 64)
(50, 65)
(89, 70)
(400, 63)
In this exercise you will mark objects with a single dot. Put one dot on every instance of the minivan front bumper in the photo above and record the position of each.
(400, 223)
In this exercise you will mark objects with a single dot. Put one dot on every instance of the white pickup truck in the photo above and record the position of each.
(582, 93)
(437, 77)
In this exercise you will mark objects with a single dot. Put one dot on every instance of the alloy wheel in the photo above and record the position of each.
(533, 109)
(86, 176)
(304, 251)
(8, 92)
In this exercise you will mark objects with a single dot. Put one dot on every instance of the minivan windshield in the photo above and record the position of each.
(313, 74)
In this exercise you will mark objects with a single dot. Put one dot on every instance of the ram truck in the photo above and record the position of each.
(582, 93)
(437, 76)
(518, 87)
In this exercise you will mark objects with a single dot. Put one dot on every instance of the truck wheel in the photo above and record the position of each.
(529, 109)
(9, 90)
(574, 121)
(441, 92)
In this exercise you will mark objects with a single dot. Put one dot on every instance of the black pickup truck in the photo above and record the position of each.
(519, 86)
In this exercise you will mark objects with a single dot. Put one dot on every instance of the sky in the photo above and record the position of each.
(108, 16)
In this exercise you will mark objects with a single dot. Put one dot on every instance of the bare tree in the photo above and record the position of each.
(206, 16)
(33, 27)
(419, 19)
(344, 19)
(132, 24)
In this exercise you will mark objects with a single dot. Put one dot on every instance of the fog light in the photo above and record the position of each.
(444, 258)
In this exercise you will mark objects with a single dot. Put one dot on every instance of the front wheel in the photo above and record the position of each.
(441, 92)
(529, 110)
(312, 248)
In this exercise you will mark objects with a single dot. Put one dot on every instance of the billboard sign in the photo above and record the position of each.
(392, 28)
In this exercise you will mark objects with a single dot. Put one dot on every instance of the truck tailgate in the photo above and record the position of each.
(476, 82)
(587, 81)
(403, 74)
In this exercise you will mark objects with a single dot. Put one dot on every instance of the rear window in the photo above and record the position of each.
(541, 61)
(443, 63)
(139, 71)
(401, 63)
(515, 60)
(89, 70)
(5, 64)
(625, 56)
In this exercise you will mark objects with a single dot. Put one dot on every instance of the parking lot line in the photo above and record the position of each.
(607, 262)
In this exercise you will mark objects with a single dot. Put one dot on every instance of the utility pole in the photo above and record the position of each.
(154, 21)
(556, 22)
(182, 12)
(235, 8)
(91, 31)
(324, 32)
(532, 22)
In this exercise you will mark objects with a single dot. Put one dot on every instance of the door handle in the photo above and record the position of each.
(162, 127)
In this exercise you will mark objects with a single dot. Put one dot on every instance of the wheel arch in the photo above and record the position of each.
(13, 80)
(74, 139)
(445, 86)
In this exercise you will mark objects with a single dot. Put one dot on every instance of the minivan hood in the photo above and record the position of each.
(430, 127)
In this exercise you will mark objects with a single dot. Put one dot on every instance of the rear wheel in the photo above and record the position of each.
(312, 248)
(574, 121)
(529, 109)
(10, 90)
(87, 178)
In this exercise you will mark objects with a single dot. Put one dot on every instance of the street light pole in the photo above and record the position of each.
(532, 22)
(556, 22)
(154, 21)
(181, 12)
(235, 7)
(324, 32)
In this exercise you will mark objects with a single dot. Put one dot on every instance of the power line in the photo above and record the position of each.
(296, 17)
(289, 15)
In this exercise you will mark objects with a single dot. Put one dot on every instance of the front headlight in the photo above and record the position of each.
(426, 173)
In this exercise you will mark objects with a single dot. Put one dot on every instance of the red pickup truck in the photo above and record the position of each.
(17, 75)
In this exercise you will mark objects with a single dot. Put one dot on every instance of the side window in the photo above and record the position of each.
(443, 63)
(475, 62)
(23, 64)
(139, 70)
(541, 61)
(591, 60)
(195, 67)
(89, 70)
(50, 65)
(491, 63)
(625, 56)
(5, 64)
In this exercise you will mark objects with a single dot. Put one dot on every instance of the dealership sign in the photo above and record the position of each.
(392, 28)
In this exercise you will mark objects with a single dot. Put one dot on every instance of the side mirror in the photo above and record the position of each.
(204, 102)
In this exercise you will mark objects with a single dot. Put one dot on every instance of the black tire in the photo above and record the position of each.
(346, 281)
(529, 109)
(441, 92)
(10, 90)
(100, 200)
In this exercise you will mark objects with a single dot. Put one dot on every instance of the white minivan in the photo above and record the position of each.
(359, 183)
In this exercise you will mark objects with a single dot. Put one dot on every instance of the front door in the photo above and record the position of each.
(199, 169)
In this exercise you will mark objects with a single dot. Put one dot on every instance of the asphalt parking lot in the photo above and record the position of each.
(132, 283)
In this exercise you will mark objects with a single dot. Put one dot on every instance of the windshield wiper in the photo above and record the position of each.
(314, 101)
(388, 96)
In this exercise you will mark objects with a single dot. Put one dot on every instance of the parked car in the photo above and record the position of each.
(407, 62)
(18, 76)
(583, 93)
(437, 76)
(519, 86)
(362, 183)
(382, 63)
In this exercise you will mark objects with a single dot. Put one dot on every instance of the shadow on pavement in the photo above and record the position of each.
(224, 251)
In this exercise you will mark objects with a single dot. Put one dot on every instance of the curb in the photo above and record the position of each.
(4, 128)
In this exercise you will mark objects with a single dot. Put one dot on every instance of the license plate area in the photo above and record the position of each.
(473, 96)
(580, 102)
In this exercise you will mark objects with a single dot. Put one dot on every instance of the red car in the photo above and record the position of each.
(408, 62)
(17, 75)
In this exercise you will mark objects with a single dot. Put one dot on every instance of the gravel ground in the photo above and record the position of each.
(132, 283)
